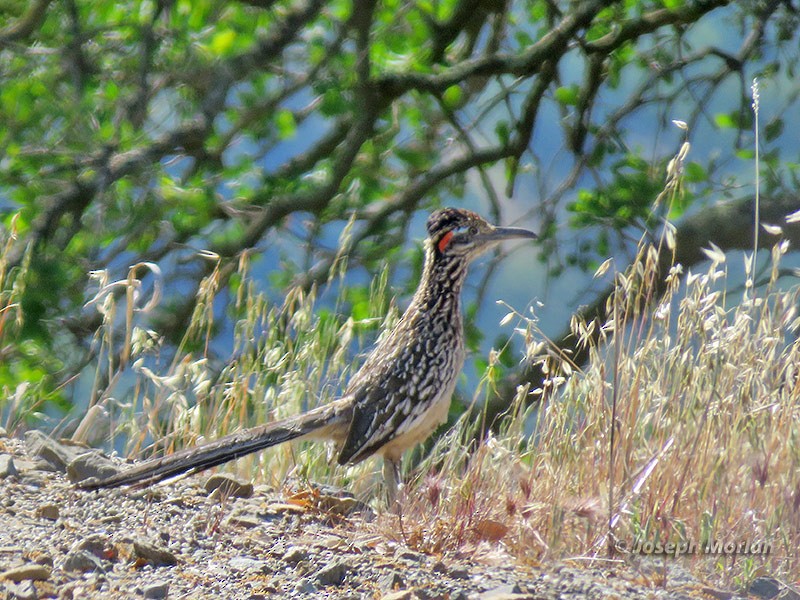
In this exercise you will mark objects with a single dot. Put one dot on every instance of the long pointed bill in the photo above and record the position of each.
(498, 234)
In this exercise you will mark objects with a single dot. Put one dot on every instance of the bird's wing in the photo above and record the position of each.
(389, 402)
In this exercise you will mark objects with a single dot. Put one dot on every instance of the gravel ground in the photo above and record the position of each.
(188, 539)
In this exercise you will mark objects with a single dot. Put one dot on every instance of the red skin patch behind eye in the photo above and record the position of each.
(444, 241)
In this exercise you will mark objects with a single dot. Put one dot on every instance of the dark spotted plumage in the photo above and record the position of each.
(402, 391)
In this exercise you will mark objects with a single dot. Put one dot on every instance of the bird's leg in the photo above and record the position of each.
(392, 478)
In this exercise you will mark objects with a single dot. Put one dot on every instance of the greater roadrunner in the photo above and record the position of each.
(402, 391)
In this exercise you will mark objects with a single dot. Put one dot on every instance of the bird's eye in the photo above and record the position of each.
(472, 230)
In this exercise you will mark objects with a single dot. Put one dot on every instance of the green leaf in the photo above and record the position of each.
(725, 121)
(222, 42)
(341, 10)
(502, 131)
(523, 39)
(452, 97)
(111, 91)
(567, 95)
(286, 124)
(695, 172)
(773, 130)
(413, 157)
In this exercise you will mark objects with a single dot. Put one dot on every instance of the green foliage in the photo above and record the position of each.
(165, 133)
(567, 96)
(625, 200)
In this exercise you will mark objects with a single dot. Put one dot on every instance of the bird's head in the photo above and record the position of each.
(459, 233)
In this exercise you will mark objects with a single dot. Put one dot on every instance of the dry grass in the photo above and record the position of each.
(706, 444)
(703, 389)
(683, 426)
(287, 358)
(25, 399)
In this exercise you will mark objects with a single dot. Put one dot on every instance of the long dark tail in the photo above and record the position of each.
(324, 422)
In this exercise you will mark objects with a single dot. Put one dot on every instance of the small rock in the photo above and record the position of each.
(333, 574)
(294, 554)
(3, 432)
(391, 581)
(242, 563)
(283, 508)
(149, 552)
(156, 590)
(455, 572)
(91, 464)
(304, 586)
(82, 561)
(439, 567)
(24, 590)
(768, 587)
(243, 518)
(56, 454)
(504, 592)
(7, 467)
(401, 595)
(41, 558)
(47, 511)
(30, 572)
(343, 504)
(89, 553)
(228, 486)
(459, 573)
(410, 556)
(97, 544)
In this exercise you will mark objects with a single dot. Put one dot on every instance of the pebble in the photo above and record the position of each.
(459, 573)
(24, 590)
(153, 554)
(294, 554)
(156, 590)
(243, 518)
(90, 464)
(30, 572)
(333, 574)
(304, 586)
(391, 581)
(81, 561)
(57, 454)
(242, 563)
(769, 587)
(227, 486)
(7, 467)
(504, 592)
(48, 511)
(115, 543)
(401, 595)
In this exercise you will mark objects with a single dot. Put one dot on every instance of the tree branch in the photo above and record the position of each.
(26, 25)
(550, 47)
(649, 22)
